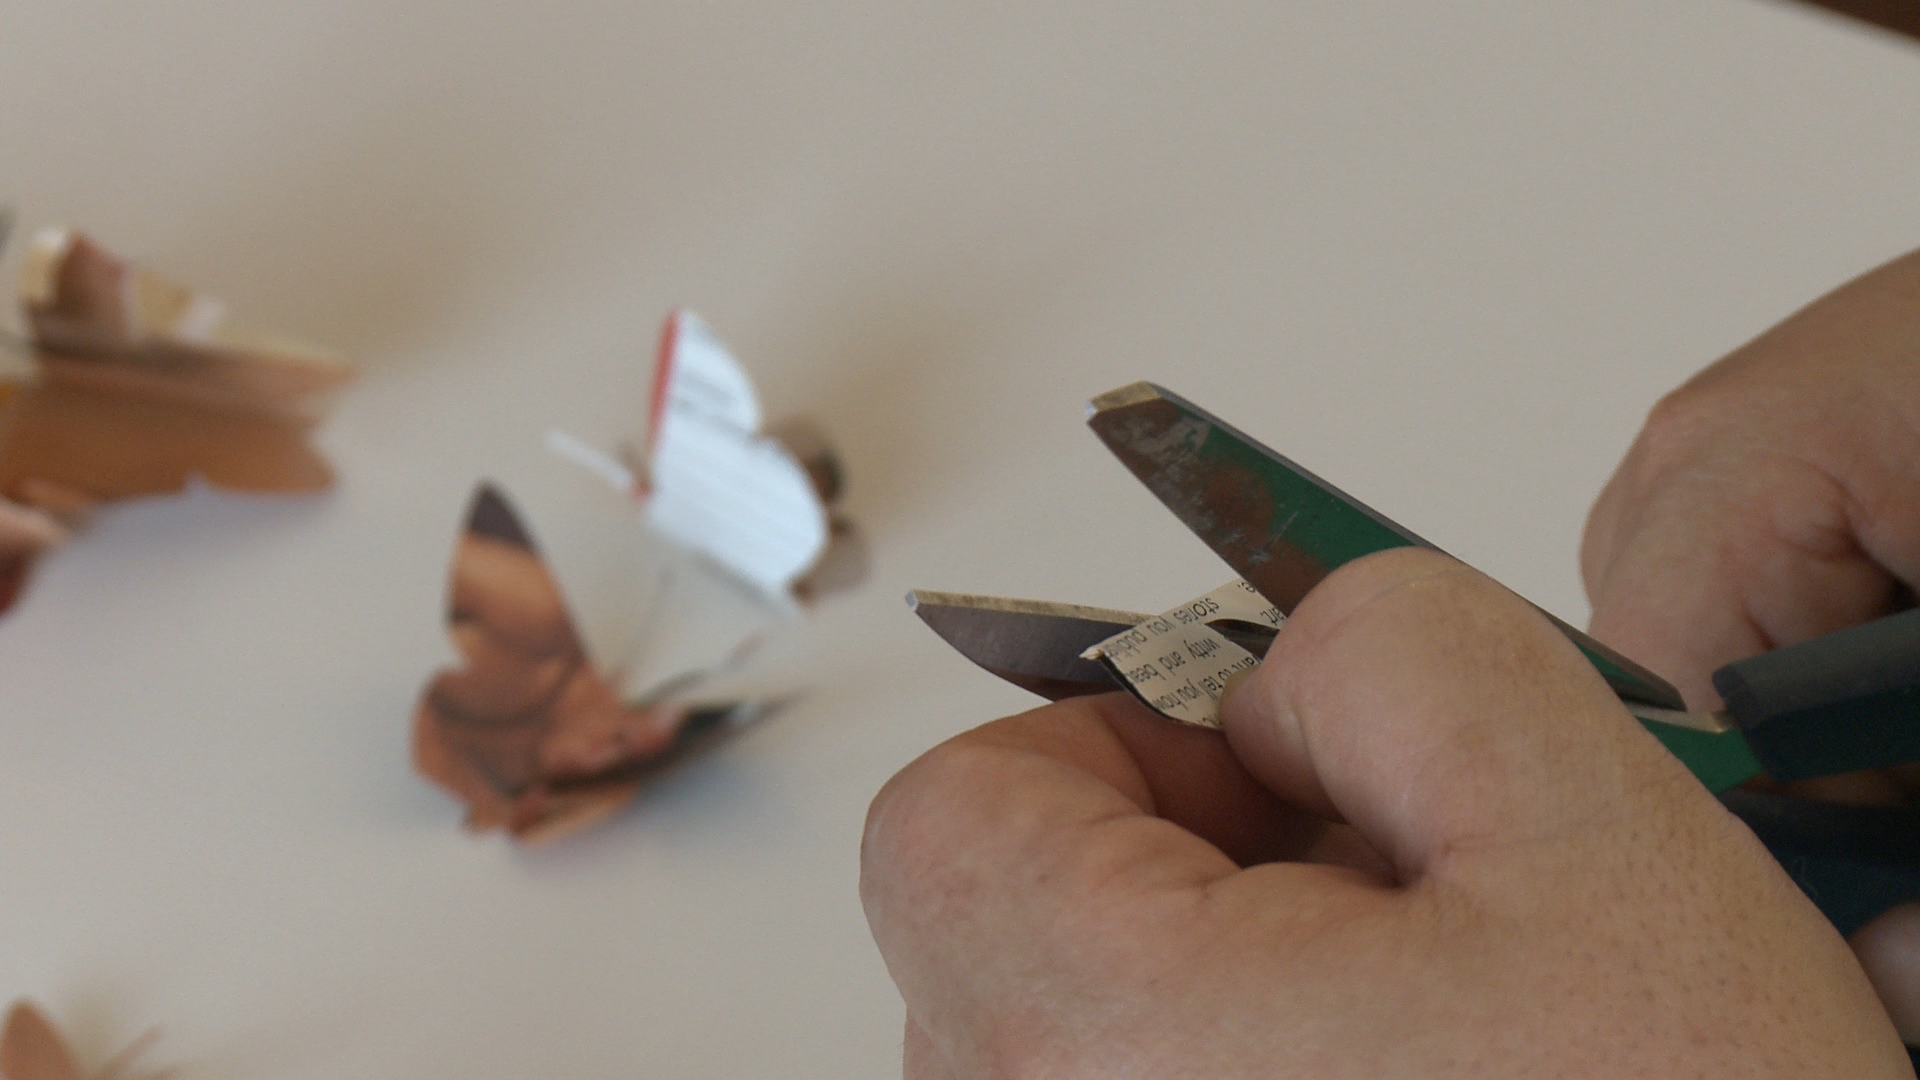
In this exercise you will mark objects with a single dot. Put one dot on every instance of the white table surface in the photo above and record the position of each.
(1445, 254)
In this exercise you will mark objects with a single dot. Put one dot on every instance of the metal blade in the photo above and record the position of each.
(1033, 644)
(1278, 525)
(1036, 644)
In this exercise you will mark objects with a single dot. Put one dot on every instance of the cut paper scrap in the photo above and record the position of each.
(31, 1049)
(1178, 663)
(753, 499)
(530, 732)
(137, 387)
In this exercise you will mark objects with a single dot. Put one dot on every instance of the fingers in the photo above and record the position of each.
(1770, 499)
(1730, 551)
(1564, 885)
(1438, 712)
(1664, 590)
(1019, 859)
(1190, 777)
(1889, 950)
(982, 855)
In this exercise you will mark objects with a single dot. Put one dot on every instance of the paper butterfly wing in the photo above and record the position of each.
(101, 321)
(478, 728)
(30, 1049)
(143, 384)
(718, 485)
(526, 732)
(696, 375)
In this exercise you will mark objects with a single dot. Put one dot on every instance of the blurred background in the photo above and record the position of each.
(1446, 255)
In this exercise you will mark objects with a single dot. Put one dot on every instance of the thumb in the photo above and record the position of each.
(1434, 710)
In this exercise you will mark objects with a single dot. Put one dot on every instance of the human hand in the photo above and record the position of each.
(1088, 890)
(1773, 498)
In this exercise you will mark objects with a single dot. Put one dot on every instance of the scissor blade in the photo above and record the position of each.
(1278, 525)
(1036, 644)
(1033, 644)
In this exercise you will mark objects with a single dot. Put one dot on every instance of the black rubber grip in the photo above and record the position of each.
(1846, 701)
(1853, 862)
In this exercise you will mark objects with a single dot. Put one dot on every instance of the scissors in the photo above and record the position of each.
(1835, 704)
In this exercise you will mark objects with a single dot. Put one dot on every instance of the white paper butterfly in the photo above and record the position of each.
(713, 481)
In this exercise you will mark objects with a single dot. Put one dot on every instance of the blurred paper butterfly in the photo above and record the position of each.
(535, 734)
(31, 1049)
(137, 387)
(757, 502)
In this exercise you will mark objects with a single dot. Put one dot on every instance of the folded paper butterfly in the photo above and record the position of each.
(529, 732)
(31, 1049)
(538, 731)
(139, 385)
(755, 500)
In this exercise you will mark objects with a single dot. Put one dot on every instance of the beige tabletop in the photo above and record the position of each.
(1445, 254)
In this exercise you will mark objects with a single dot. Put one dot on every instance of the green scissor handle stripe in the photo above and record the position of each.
(1285, 529)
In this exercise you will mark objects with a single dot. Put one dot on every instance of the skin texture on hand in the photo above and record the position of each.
(1524, 884)
(1773, 498)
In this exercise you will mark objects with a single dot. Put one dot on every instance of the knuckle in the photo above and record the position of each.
(1411, 614)
(1724, 423)
(1400, 584)
(1677, 426)
(909, 821)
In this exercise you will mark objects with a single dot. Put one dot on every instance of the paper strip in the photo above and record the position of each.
(1177, 663)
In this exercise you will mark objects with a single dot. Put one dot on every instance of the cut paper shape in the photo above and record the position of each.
(529, 732)
(755, 500)
(138, 386)
(1178, 663)
(31, 1049)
